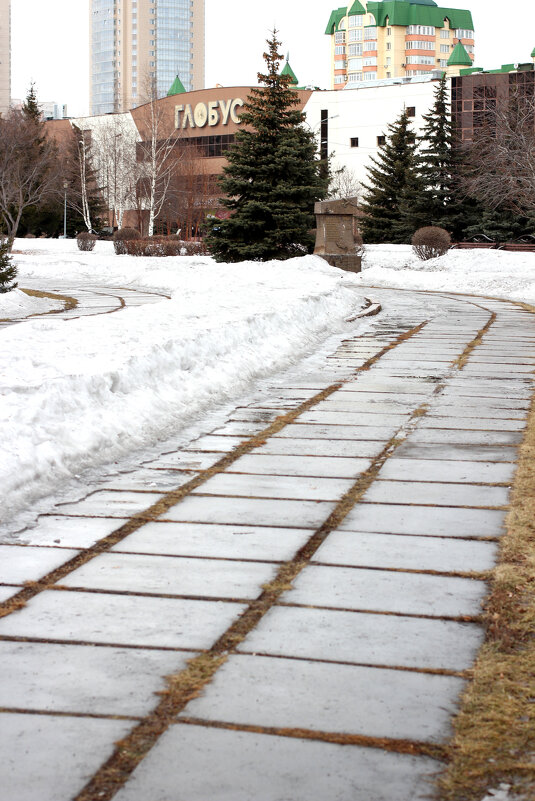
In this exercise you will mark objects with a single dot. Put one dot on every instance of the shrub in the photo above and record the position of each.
(430, 242)
(86, 241)
(122, 236)
(30, 236)
(153, 246)
(193, 249)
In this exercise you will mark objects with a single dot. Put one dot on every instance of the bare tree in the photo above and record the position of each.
(27, 175)
(344, 184)
(118, 169)
(499, 162)
(158, 154)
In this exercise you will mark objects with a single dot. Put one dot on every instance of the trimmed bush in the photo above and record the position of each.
(430, 242)
(86, 241)
(153, 246)
(193, 249)
(122, 236)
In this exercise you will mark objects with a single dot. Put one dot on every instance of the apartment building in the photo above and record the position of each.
(5, 55)
(139, 46)
(383, 39)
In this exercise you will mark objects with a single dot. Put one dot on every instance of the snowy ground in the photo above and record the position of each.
(78, 394)
(17, 304)
(88, 391)
(493, 273)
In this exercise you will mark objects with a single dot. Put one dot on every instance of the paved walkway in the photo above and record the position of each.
(309, 577)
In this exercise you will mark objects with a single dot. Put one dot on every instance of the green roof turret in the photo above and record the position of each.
(177, 88)
(287, 70)
(459, 57)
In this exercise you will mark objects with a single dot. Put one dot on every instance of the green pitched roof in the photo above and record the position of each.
(335, 18)
(459, 57)
(533, 53)
(289, 71)
(356, 9)
(177, 88)
(401, 12)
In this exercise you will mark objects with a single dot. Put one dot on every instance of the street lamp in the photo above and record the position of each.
(65, 186)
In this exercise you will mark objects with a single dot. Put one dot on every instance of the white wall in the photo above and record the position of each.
(365, 113)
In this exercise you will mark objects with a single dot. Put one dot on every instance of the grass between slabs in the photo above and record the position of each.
(494, 733)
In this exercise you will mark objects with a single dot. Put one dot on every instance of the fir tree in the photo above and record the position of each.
(30, 107)
(8, 271)
(392, 186)
(272, 178)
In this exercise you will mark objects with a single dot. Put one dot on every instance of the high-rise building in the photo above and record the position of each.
(138, 44)
(380, 39)
(5, 55)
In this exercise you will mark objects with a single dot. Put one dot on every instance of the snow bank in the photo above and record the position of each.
(18, 304)
(493, 273)
(81, 393)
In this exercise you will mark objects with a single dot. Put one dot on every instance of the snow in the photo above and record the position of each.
(85, 392)
(493, 273)
(18, 304)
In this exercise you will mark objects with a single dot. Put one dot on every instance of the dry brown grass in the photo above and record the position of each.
(70, 303)
(494, 739)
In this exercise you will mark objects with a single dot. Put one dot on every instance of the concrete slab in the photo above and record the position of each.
(436, 494)
(311, 431)
(70, 532)
(447, 399)
(475, 412)
(121, 619)
(335, 404)
(456, 453)
(221, 542)
(424, 521)
(244, 429)
(251, 512)
(293, 694)
(107, 503)
(345, 418)
(352, 637)
(194, 763)
(364, 549)
(333, 467)
(386, 591)
(84, 679)
(212, 443)
(373, 383)
(266, 416)
(462, 437)
(51, 758)
(24, 563)
(267, 486)
(447, 471)
(172, 575)
(342, 448)
(185, 461)
(149, 479)
(433, 420)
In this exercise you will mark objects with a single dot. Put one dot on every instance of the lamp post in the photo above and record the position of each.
(65, 185)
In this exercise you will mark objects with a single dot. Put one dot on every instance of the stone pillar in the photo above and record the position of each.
(335, 239)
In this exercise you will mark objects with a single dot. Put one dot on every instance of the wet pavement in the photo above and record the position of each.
(308, 576)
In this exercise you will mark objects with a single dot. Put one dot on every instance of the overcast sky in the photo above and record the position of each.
(50, 42)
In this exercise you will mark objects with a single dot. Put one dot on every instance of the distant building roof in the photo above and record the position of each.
(404, 12)
(459, 57)
(287, 70)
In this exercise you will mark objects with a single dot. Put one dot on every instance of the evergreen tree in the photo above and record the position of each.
(30, 107)
(8, 271)
(393, 185)
(272, 178)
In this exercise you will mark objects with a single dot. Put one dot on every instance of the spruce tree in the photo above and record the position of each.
(273, 175)
(8, 271)
(392, 186)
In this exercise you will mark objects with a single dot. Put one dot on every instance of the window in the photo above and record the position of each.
(355, 77)
(356, 21)
(369, 76)
(389, 31)
(443, 62)
(421, 30)
(388, 61)
(421, 45)
(371, 61)
(411, 111)
(339, 79)
(444, 33)
(339, 38)
(370, 33)
(354, 141)
(388, 75)
(368, 46)
(389, 46)
(340, 50)
(355, 35)
(355, 49)
(342, 24)
(445, 48)
(416, 73)
(381, 140)
(420, 60)
(464, 33)
(355, 64)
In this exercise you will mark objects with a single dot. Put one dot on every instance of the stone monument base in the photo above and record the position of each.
(350, 262)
